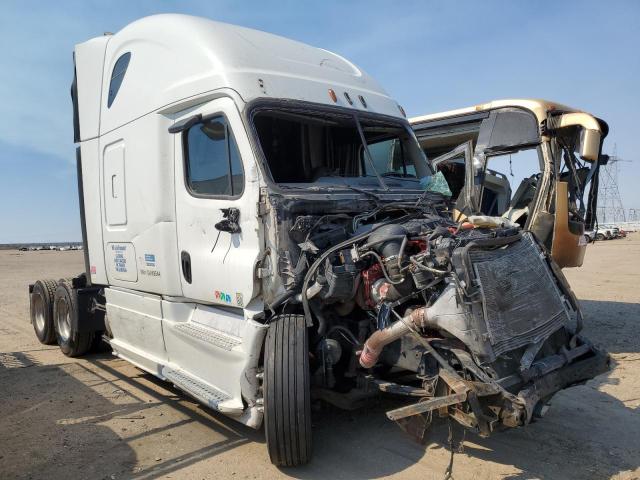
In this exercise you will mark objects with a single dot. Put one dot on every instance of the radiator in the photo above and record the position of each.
(521, 302)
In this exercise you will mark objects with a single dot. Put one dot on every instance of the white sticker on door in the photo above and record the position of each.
(121, 261)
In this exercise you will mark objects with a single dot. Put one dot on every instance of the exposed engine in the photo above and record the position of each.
(477, 323)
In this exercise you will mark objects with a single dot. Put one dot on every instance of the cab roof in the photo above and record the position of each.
(175, 57)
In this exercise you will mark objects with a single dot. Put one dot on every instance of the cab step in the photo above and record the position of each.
(208, 335)
(201, 391)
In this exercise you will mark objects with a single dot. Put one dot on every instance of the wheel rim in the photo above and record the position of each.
(39, 313)
(63, 319)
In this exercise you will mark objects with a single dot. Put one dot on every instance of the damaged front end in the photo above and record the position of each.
(472, 321)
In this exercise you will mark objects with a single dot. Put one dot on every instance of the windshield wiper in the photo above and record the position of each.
(368, 153)
(365, 192)
(329, 187)
(405, 176)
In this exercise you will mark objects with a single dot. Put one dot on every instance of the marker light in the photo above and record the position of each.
(332, 95)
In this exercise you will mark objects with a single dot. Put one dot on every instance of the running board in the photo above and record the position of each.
(204, 393)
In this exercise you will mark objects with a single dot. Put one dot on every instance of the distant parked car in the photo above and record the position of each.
(606, 233)
(23, 249)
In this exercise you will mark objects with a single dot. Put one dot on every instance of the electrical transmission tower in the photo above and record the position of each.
(610, 209)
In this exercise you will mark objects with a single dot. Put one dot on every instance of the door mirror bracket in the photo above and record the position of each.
(230, 221)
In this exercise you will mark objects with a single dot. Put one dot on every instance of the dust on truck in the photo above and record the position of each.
(262, 228)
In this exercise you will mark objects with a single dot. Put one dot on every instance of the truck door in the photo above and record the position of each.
(216, 201)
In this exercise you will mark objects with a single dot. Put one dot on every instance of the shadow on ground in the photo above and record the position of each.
(587, 433)
(48, 432)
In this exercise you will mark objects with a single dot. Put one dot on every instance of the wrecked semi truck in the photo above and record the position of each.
(262, 228)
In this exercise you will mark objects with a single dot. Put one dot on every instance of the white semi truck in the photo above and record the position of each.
(261, 227)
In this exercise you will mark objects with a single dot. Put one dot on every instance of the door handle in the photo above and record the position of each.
(113, 186)
(185, 261)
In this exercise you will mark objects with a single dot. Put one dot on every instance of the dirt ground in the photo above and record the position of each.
(99, 417)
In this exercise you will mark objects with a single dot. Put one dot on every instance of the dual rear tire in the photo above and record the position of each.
(54, 315)
(41, 306)
(72, 342)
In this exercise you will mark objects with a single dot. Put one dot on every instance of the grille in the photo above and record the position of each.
(521, 302)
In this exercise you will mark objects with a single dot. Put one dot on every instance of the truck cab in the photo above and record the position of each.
(557, 200)
(262, 227)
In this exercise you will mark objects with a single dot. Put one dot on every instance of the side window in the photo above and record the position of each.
(117, 75)
(213, 166)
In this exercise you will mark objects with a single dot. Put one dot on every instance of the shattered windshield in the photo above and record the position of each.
(309, 147)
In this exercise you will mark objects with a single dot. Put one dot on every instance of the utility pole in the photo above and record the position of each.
(610, 208)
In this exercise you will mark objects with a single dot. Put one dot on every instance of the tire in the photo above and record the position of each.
(600, 236)
(41, 310)
(287, 395)
(65, 312)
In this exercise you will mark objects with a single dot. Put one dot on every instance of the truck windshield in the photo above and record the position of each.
(315, 148)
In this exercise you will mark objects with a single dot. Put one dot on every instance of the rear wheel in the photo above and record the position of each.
(600, 236)
(287, 397)
(65, 311)
(41, 309)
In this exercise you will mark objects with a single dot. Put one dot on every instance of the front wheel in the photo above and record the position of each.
(287, 396)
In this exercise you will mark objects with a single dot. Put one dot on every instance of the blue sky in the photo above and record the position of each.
(430, 56)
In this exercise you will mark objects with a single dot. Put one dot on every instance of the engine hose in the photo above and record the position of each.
(384, 270)
(346, 333)
(403, 245)
(315, 265)
(381, 338)
(435, 271)
(322, 322)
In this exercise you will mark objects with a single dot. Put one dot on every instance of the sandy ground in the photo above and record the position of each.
(99, 417)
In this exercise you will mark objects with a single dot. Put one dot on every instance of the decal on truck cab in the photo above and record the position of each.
(149, 261)
(221, 296)
(226, 298)
(121, 261)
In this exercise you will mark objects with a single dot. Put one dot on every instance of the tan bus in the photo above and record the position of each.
(557, 202)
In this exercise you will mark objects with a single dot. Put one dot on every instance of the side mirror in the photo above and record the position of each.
(230, 221)
(589, 144)
(590, 133)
